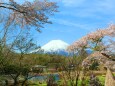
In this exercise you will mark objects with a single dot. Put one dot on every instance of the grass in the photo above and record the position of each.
(101, 79)
(37, 83)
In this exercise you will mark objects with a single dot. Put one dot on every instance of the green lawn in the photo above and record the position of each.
(86, 82)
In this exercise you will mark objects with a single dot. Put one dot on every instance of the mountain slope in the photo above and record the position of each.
(55, 45)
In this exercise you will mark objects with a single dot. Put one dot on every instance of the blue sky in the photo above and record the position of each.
(75, 19)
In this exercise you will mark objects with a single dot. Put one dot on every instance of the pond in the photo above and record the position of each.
(45, 77)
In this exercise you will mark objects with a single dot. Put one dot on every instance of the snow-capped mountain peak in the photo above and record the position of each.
(54, 46)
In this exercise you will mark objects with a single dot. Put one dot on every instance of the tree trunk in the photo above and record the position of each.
(15, 82)
(77, 78)
(109, 80)
(23, 83)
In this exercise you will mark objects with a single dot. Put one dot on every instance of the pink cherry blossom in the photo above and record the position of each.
(92, 37)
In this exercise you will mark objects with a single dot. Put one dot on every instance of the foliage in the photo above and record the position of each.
(14, 69)
(94, 65)
(101, 79)
(51, 81)
(72, 71)
(94, 81)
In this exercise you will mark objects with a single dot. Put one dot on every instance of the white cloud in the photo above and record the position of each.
(71, 24)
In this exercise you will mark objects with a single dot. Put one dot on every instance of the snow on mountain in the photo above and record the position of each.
(54, 46)
(57, 46)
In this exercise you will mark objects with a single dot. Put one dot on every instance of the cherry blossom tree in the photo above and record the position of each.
(93, 40)
(96, 41)
(17, 18)
(27, 14)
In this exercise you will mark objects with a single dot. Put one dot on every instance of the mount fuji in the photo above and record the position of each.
(55, 46)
